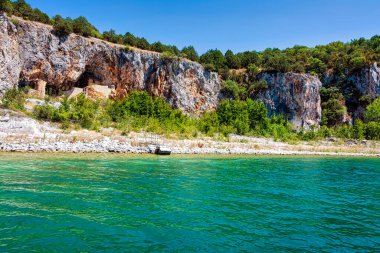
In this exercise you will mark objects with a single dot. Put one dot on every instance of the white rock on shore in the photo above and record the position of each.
(19, 133)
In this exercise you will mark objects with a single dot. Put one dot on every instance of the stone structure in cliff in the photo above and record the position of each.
(31, 52)
(295, 96)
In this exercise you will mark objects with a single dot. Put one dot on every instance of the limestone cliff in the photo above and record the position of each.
(355, 86)
(30, 51)
(294, 95)
(10, 62)
(367, 81)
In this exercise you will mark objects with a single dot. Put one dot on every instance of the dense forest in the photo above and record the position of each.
(239, 112)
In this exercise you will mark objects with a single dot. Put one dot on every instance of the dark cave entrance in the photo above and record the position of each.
(88, 78)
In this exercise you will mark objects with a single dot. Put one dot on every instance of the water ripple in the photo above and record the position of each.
(257, 204)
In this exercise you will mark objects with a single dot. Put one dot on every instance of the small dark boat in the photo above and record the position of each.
(159, 150)
(163, 150)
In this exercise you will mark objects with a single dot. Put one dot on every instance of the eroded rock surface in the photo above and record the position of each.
(294, 95)
(10, 62)
(367, 81)
(31, 51)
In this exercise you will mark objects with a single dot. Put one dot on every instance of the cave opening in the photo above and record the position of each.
(51, 90)
(88, 78)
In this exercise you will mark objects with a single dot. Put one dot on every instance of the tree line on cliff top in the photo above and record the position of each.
(339, 57)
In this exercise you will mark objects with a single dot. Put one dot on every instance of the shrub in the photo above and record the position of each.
(47, 112)
(7, 6)
(232, 90)
(209, 123)
(213, 58)
(373, 111)
(372, 131)
(190, 53)
(62, 27)
(81, 26)
(14, 99)
(168, 56)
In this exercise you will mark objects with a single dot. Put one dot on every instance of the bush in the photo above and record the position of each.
(62, 27)
(168, 56)
(81, 26)
(231, 89)
(372, 131)
(7, 6)
(190, 53)
(209, 123)
(213, 58)
(14, 99)
(244, 116)
(373, 111)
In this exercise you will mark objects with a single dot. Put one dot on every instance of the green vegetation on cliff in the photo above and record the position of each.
(140, 111)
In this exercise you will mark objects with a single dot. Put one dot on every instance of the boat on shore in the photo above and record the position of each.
(159, 150)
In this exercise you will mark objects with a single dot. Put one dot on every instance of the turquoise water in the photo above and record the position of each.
(188, 204)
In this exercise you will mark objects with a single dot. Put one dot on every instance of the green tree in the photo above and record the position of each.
(373, 111)
(359, 129)
(143, 44)
(111, 36)
(62, 27)
(14, 99)
(258, 115)
(234, 114)
(190, 53)
(130, 39)
(252, 71)
(255, 87)
(224, 112)
(372, 130)
(158, 47)
(209, 123)
(274, 60)
(233, 90)
(214, 59)
(7, 6)
(316, 66)
(332, 112)
(357, 63)
(82, 27)
(22, 9)
(232, 61)
(241, 116)
(333, 109)
(248, 57)
(39, 16)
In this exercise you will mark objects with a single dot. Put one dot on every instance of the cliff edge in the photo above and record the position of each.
(30, 51)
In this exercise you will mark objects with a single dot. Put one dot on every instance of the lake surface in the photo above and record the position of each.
(78, 203)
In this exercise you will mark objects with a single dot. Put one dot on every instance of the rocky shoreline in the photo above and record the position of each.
(20, 133)
(110, 146)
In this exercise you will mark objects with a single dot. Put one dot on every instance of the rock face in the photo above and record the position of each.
(294, 95)
(30, 51)
(367, 81)
(10, 62)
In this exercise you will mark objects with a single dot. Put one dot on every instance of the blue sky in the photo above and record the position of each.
(236, 24)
